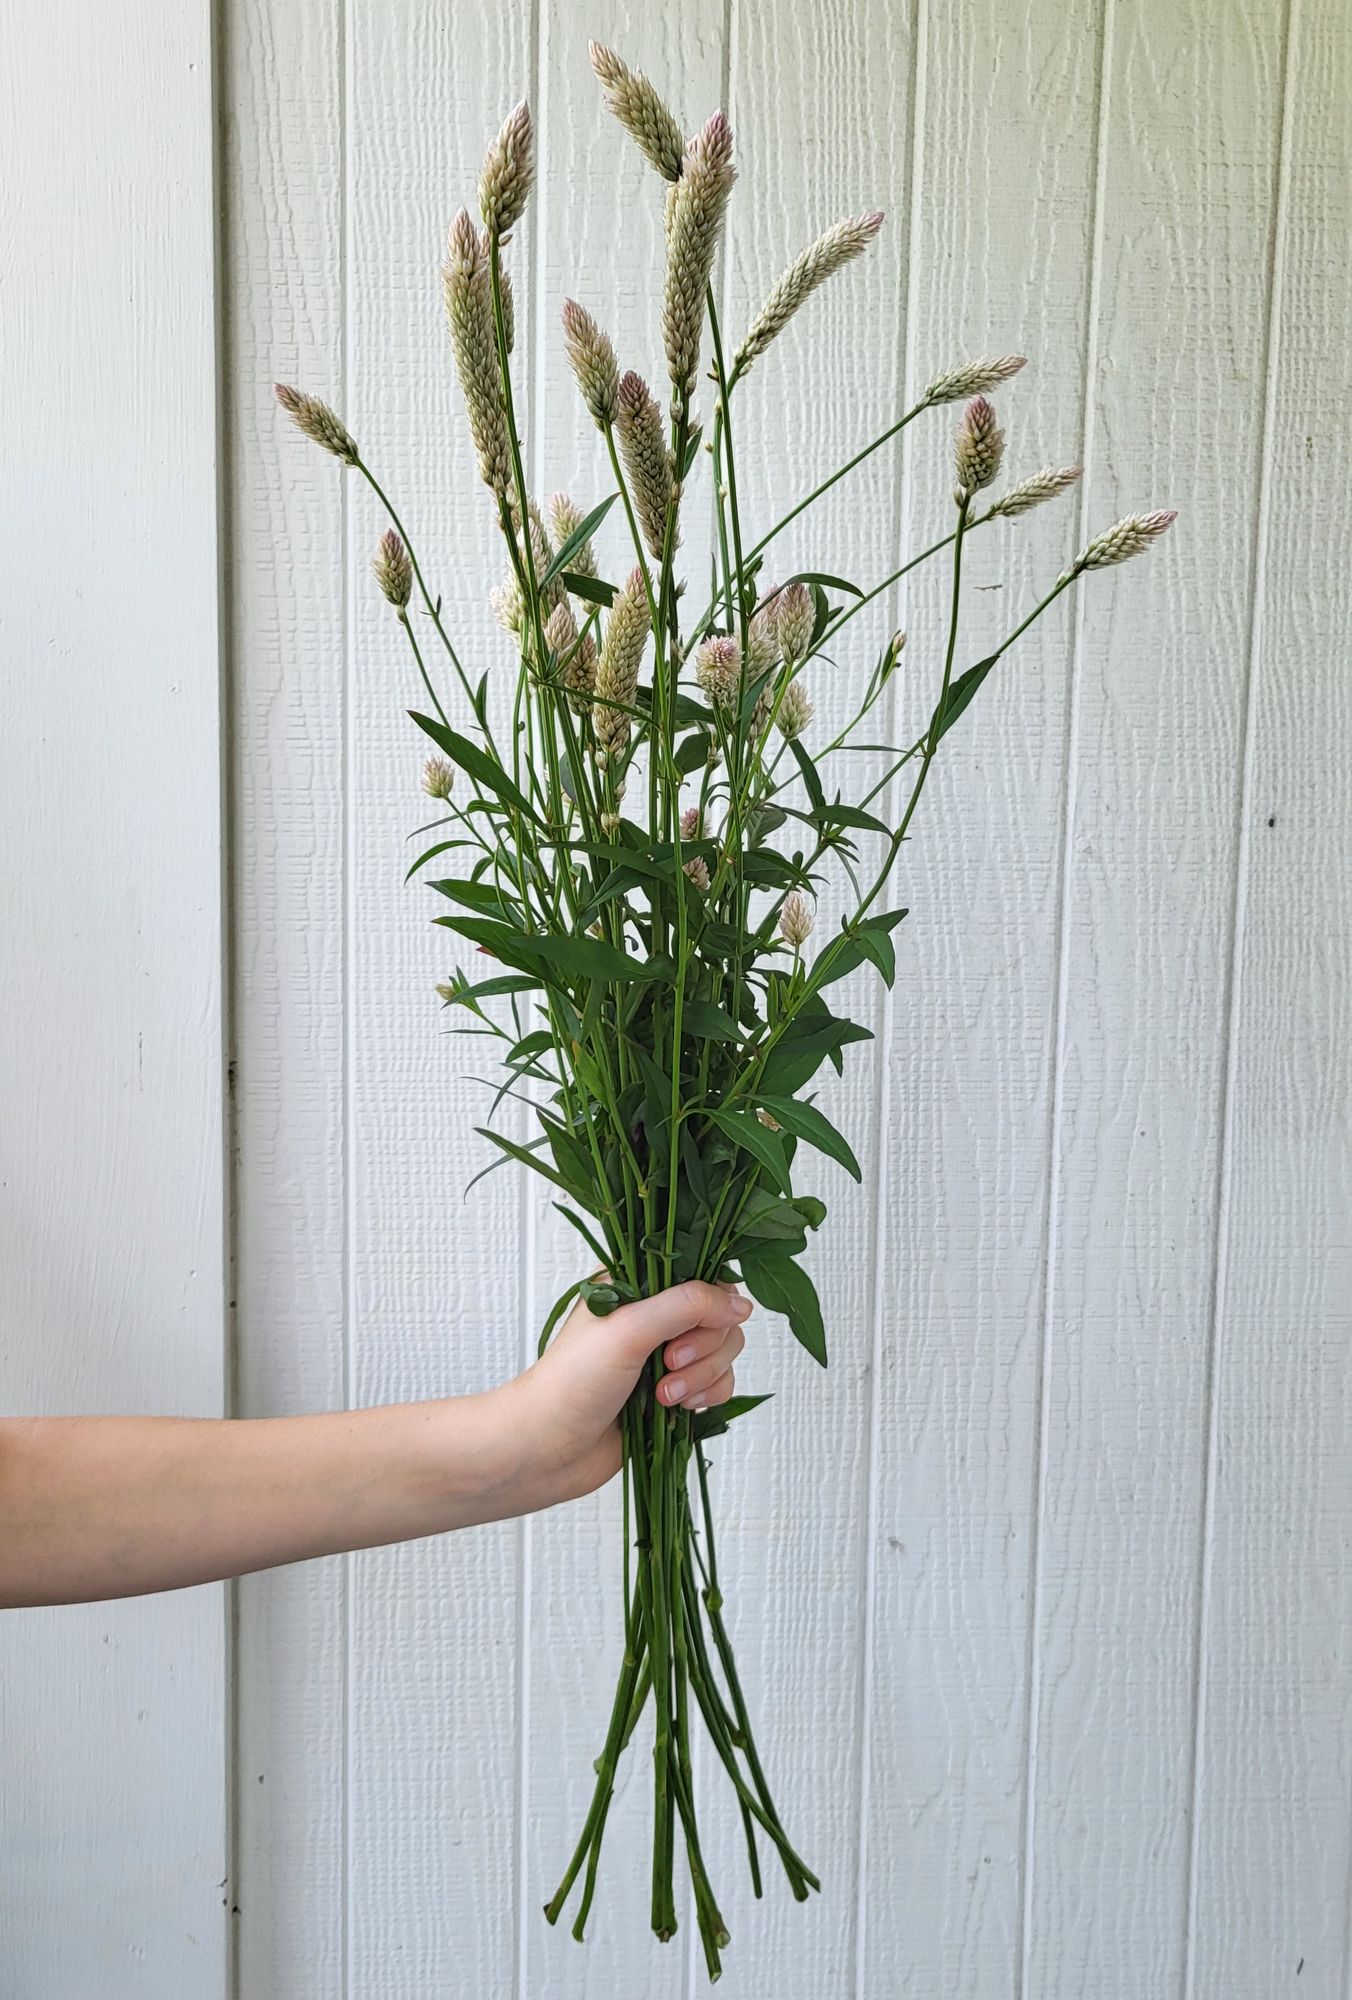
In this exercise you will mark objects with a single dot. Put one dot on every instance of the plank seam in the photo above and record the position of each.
(1052, 1232)
(346, 1585)
(908, 287)
(1234, 984)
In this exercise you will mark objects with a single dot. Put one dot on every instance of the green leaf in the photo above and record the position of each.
(812, 1211)
(442, 847)
(810, 779)
(806, 1122)
(709, 1023)
(466, 995)
(692, 754)
(583, 532)
(879, 949)
(570, 1215)
(842, 815)
(524, 1155)
(559, 1307)
(589, 587)
(476, 764)
(784, 1287)
(484, 897)
(574, 957)
(960, 693)
(772, 1216)
(746, 1130)
(820, 577)
(691, 450)
(713, 1423)
(799, 1056)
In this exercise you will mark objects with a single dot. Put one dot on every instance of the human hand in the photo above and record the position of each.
(562, 1411)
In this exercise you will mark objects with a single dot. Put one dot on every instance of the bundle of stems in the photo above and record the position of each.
(640, 834)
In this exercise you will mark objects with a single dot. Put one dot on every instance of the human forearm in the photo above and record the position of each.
(95, 1507)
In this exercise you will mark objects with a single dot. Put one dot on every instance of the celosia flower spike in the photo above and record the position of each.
(698, 204)
(836, 246)
(592, 359)
(1040, 486)
(795, 712)
(1126, 538)
(643, 446)
(978, 449)
(617, 668)
(973, 378)
(508, 173)
(641, 111)
(393, 570)
(469, 315)
(795, 615)
(318, 422)
(578, 657)
(718, 670)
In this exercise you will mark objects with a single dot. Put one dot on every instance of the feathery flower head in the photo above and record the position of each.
(698, 871)
(1039, 486)
(795, 712)
(508, 173)
(973, 378)
(469, 315)
(508, 308)
(795, 615)
(697, 205)
(762, 644)
(834, 247)
(438, 775)
(692, 823)
(541, 554)
(978, 448)
(318, 422)
(505, 601)
(643, 446)
(1126, 538)
(393, 570)
(640, 110)
(617, 668)
(592, 359)
(795, 919)
(718, 669)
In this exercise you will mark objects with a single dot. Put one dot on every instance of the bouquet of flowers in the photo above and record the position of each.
(639, 832)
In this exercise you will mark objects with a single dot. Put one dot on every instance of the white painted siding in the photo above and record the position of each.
(113, 1724)
(1043, 1592)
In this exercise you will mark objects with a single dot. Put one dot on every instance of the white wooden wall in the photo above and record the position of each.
(1044, 1591)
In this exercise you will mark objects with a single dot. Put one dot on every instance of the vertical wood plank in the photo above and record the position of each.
(599, 213)
(112, 1716)
(1187, 184)
(436, 1297)
(819, 101)
(1274, 1845)
(283, 154)
(1001, 258)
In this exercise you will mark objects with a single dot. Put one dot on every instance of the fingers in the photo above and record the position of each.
(683, 1309)
(705, 1361)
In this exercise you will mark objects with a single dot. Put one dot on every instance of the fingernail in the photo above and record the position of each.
(674, 1388)
(700, 1403)
(741, 1307)
(680, 1355)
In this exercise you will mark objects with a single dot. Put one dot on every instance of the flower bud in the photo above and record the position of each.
(1040, 486)
(978, 448)
(318, 422)
(692, 823)
(592, 359)
(795, 919)
(640, 110)
(795, 712)
(698, 871)
(718, 670)
(393, 570)
(795, 615)
(646, 458)
(1126, 538)
(438, 775)
(836, 246)
(696, 206)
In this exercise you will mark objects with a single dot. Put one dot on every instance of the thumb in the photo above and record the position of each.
(647, 1324)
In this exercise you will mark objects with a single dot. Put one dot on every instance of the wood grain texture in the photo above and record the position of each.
(112, 1717)
(1188, 139)
(1040, 1592)
(1274, 1845)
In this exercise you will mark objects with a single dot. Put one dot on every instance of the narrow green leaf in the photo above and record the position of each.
(583, 532)
(476, 764)
(746, 1131)
(960, 693)
(806, 1122)
(784, 1287)
(524, 1155)
(589, 587)
(709, 1023)
(712, 1423)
